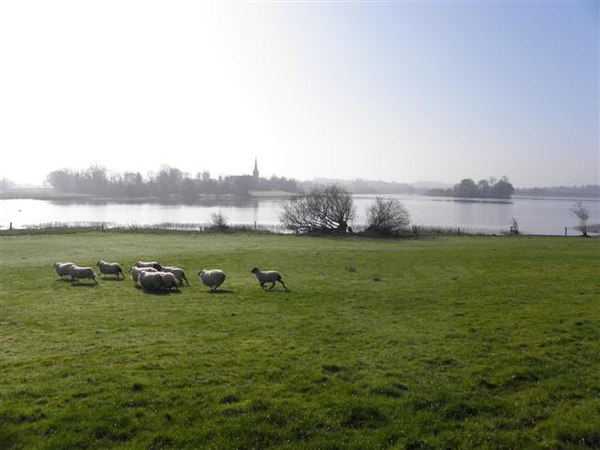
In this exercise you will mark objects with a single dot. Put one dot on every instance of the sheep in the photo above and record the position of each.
(62, 269)
(270, 276)
(169, 280)
(178, 272)
(135, 272)
(212, 278)
(110, 269)
(154, 264)
(150, 281)
(77, 272)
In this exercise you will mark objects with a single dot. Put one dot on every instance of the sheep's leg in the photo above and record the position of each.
(281, 281)
(186, 280)
(272, 285)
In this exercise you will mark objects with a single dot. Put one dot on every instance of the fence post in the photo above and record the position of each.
(565, 231)
(10, 226)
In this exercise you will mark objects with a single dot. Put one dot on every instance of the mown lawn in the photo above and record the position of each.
(453, 342)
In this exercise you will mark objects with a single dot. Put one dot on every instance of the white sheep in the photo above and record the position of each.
(270, 276)
(169, 281)
(62, 269)
(77, 272)
(154, 264)
(150, 281)
(212, 278)
(178, 272)
(110, 269)
(135, 272)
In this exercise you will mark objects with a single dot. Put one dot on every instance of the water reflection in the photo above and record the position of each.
(534, 215)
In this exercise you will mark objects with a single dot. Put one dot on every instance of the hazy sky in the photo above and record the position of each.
(396, 91)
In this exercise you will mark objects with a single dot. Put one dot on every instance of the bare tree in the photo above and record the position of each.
(582, 213)
(387, 216)
(326, 209)
(218, 221)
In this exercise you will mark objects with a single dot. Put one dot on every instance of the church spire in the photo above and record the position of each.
(255, 171)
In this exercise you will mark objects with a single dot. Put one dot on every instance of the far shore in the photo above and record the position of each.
(53, 195)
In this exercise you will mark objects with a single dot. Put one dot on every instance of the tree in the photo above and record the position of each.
(582, 213)
(326, 209)
(218, 221)
(514, 227)
(387, 216)
(466, 188)
(502, 189)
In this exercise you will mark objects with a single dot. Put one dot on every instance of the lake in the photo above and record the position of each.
(543, 216)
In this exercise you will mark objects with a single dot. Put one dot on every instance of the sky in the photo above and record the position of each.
(393, 91)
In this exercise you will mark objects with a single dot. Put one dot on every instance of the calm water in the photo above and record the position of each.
(534, 215)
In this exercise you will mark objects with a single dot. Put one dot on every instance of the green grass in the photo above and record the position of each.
(454, 342)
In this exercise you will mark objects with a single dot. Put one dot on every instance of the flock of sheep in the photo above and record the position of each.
(153, 277)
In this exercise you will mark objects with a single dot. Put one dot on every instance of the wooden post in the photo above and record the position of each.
(565, 231)
(10, 226)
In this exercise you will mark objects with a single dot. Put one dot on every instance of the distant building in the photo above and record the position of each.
(242, 184)
(255, 171)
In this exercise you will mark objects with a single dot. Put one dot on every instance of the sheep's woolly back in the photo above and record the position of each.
(135, 272)
(178, 272)
(154, 264)
(150, 281)
(77, 272)
(110, 268)
(169, 280)
(212, 278)
(63, 269)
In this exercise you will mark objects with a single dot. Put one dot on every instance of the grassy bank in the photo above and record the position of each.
(453, 342)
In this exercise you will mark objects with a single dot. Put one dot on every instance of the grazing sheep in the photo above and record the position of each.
(154, 264)
(135, 272)
(77, 272)
(150, 281)
(178, 272)
(169, 281)
(110, 269)
(269, 276)
(212, 278)
(63, 269)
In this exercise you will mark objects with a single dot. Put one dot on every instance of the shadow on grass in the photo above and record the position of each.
(160, 293)
(280, 291)
(78, 284)
(111, 279)
(220, 292)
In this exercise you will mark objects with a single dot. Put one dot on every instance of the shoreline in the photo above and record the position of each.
(52, 195)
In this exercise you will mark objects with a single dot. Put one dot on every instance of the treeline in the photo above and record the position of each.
(168, 183)
(467, 188)
(360, 186)
(590, 190)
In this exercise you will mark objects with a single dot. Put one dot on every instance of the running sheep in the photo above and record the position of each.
(63, 269)
(269, 276)
(153, 264)
(110, 269)
(212, 278)
(77, 273)
(135, 272)
(150, 281)
(169, 281)
(156, 281)
(178, 272)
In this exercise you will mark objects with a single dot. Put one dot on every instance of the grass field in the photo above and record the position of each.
(452, 342)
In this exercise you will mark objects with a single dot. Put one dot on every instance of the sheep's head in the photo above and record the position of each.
(254, 270)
